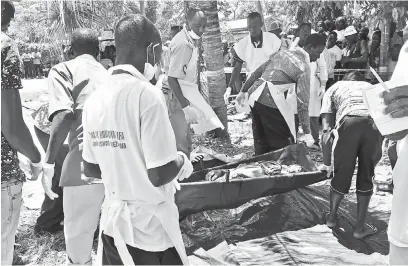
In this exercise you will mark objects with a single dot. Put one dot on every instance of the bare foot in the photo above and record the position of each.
(331, 220)
(368, 230)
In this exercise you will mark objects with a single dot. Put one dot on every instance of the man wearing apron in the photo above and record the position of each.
(253, 49)
(397, 105)
(350, 134)
(185, 103)
(272, 89)
(136, 155)
(318, 80)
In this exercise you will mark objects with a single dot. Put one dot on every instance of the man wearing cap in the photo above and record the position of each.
(254, 50)
(275, 29)
(355, 55)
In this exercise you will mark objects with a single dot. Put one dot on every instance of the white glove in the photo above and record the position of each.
(48, 174)
(309, 140)
(321, 92)
(328, 169)
(36, 169)
(192, 115)
(176, 184)
(227, 94)
(241, 98)
(186, 170)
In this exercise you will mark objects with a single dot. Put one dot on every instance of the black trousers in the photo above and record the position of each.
(110, 255)
(357, 140)
(330, 82)
(269, 128)
(52, 213)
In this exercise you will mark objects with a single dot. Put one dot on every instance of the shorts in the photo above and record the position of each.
(357, 140)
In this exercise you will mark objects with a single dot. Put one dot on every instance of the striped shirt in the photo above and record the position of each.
(345, 98)
(70, 84)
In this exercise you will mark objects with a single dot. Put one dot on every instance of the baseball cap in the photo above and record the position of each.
(273, 26)
(350, 30)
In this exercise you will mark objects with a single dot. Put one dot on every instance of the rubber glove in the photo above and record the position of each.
(328, 169)
(227, 94)
(309, 140)
(48, 174)
(241, 98)
(186, 170)
(36, 169)
(191, 114)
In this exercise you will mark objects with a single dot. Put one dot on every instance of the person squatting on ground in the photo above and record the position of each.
(129, 141)
(15, 137)
(277, 88)
(185, 103)
(70, 84)
(350, 132)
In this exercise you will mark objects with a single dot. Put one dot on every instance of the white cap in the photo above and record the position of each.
(350, 30)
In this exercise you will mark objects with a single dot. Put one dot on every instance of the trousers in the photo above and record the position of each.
(357, 140)
(110, 255)
(269, 129)
(82, 208)
(52, 213)
(11, 202)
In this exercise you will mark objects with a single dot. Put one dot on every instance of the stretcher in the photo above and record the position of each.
(198, 195)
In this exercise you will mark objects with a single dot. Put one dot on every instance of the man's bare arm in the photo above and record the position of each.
(235, 81)
(176, 89)
(165, 174)
(61, 124)
(328, 121)
(14, 128)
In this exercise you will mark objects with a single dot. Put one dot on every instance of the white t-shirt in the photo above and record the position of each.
(126, 132)
(398, 225)
(334, 55)
(340, 35)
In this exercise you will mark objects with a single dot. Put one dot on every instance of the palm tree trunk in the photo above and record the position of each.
(213, 55)
(142, 8)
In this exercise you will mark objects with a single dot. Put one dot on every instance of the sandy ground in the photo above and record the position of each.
(48, 249)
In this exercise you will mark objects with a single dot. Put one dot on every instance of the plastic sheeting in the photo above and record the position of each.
(197, 195)
(275, 220)
(285, 229)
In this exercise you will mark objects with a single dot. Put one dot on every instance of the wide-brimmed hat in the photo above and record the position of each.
(350, 30)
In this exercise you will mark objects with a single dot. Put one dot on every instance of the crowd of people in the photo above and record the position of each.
(117, 136)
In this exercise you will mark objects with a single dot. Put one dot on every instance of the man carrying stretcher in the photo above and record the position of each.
(274, 89)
